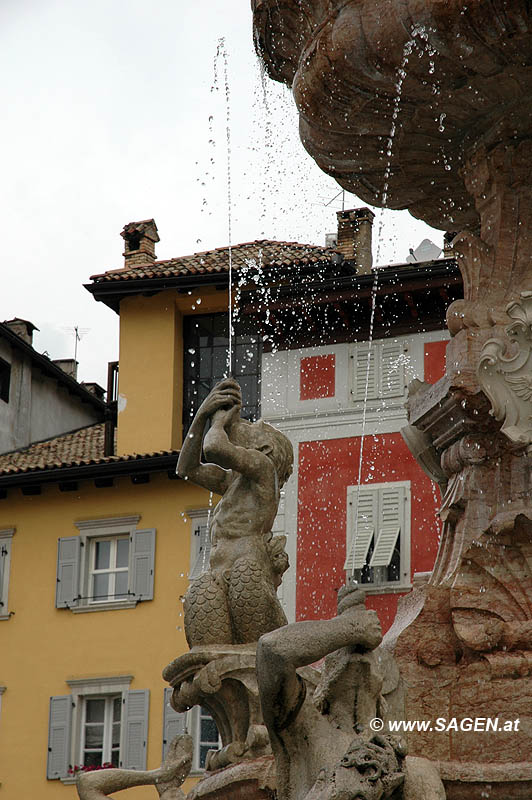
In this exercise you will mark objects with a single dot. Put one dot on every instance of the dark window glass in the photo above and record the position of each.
(5, 380)
(206, 341)
(381, 574)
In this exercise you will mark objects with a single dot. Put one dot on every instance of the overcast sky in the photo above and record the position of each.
(106, 110)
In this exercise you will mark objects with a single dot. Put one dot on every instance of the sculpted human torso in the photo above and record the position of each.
(235, 600)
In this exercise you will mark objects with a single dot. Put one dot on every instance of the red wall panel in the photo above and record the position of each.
(326, 469)
(317, 377)
(435, 361)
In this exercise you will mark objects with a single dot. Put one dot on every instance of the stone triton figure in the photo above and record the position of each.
(235, 601)
(320, 723)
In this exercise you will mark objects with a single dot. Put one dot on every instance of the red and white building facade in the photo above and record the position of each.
(372, 514)
(316, 396)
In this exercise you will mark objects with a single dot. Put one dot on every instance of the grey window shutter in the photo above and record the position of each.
(135, 729)
(67, 586)
(201, 564)
(59, 729)
(142, 564)
(174, 724)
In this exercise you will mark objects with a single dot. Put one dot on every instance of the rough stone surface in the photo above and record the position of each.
(319, 722)
(235, 601)
(248, 780)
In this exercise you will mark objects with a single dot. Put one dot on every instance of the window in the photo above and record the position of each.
(6, 537)
(109, 565)
(205, 735)
(201, 726)
(100, 731)
(108, 569)
(378, 372)
(5, 380)
(379, 515)
(101, 722)
(206, 342)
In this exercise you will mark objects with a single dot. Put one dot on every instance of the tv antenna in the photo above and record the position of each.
(79, 333)
(332, 200)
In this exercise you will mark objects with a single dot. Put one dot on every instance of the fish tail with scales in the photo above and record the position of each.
(255, 608)
(207, 618)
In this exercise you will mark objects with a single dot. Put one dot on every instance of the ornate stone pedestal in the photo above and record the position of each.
(222, 678)
(464, 641)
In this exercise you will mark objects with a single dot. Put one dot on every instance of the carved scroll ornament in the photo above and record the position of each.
(507, 379)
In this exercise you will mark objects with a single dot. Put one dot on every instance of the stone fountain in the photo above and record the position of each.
(426, 105)
(286, 726)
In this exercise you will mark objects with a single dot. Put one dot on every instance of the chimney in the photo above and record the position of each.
(23, 328)
(68, 365)
(139, 238)
(354, 237)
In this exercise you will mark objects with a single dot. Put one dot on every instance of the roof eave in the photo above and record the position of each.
(50, 369)
(108, 469)
(112, 292)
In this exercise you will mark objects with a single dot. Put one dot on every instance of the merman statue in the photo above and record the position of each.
(235, 601)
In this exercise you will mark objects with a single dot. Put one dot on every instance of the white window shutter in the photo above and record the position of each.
(390, 523)
(174, 724)
(392, 369)
(365, 371)
(135, 729)
(142, 564)
(201, 564)
(383, 552)
(363, 504)
(67, 586)
(59, 732)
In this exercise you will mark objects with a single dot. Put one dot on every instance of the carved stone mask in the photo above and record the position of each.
(369, 770)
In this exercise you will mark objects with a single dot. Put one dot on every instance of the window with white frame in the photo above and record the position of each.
(378, 533)
(101, 723)
(201, 726)
(108, 569)
(109, 565)
(378, 370)
(100, 731)
(6, 538)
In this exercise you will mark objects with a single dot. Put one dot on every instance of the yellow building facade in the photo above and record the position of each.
(80, 673)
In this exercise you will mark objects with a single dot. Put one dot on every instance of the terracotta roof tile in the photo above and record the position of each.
(79, 448)
(265, 252)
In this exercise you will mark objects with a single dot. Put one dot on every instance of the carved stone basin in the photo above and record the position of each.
(467, 79)
(425, 105)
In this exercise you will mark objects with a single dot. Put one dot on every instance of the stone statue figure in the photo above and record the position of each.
(319, 722)
(235, 601)
(167, 779)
